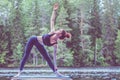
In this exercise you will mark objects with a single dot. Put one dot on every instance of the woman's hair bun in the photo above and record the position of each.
(65, 35)
(68, 35)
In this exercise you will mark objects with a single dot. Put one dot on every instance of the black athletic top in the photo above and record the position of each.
(46, 39)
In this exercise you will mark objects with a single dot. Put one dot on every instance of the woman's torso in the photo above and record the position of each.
(47, 40)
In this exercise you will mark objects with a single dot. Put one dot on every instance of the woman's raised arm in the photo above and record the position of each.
(53, 17)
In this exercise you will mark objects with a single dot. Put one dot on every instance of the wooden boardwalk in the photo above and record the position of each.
(47, 74)
(48, 78)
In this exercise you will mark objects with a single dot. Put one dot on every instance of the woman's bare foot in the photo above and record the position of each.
(58, 74)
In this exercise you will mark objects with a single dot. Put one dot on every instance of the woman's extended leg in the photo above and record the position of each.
(28, 48)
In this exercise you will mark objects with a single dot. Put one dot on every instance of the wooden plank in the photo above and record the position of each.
(41, 79)
(48, 79)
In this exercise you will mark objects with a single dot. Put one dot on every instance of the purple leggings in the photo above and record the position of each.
(31, 42)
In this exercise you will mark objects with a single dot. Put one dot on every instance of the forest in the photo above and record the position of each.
(94, 25)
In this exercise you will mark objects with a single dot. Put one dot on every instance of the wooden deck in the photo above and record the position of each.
(41, 78)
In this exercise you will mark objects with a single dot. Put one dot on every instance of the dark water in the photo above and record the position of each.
(75, 74)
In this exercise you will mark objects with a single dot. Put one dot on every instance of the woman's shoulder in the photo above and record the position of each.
(52, 32)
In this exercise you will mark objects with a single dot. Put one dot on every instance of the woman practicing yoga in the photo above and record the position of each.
(49, 39)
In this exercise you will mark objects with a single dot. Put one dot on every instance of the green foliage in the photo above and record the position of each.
(101, 61)
(24, 18)
(117, 47)
(2, 58)
(61, 19)
(18, 52)
(64, 55)
(3, 52)
(3, 45)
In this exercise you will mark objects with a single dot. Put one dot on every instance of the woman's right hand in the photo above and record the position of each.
(56, 6)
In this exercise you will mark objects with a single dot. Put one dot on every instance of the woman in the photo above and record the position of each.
(50, 39)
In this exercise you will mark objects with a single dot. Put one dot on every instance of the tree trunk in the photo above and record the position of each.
(81, 30)
(95, 30)
(95, 53)
(110, 35)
